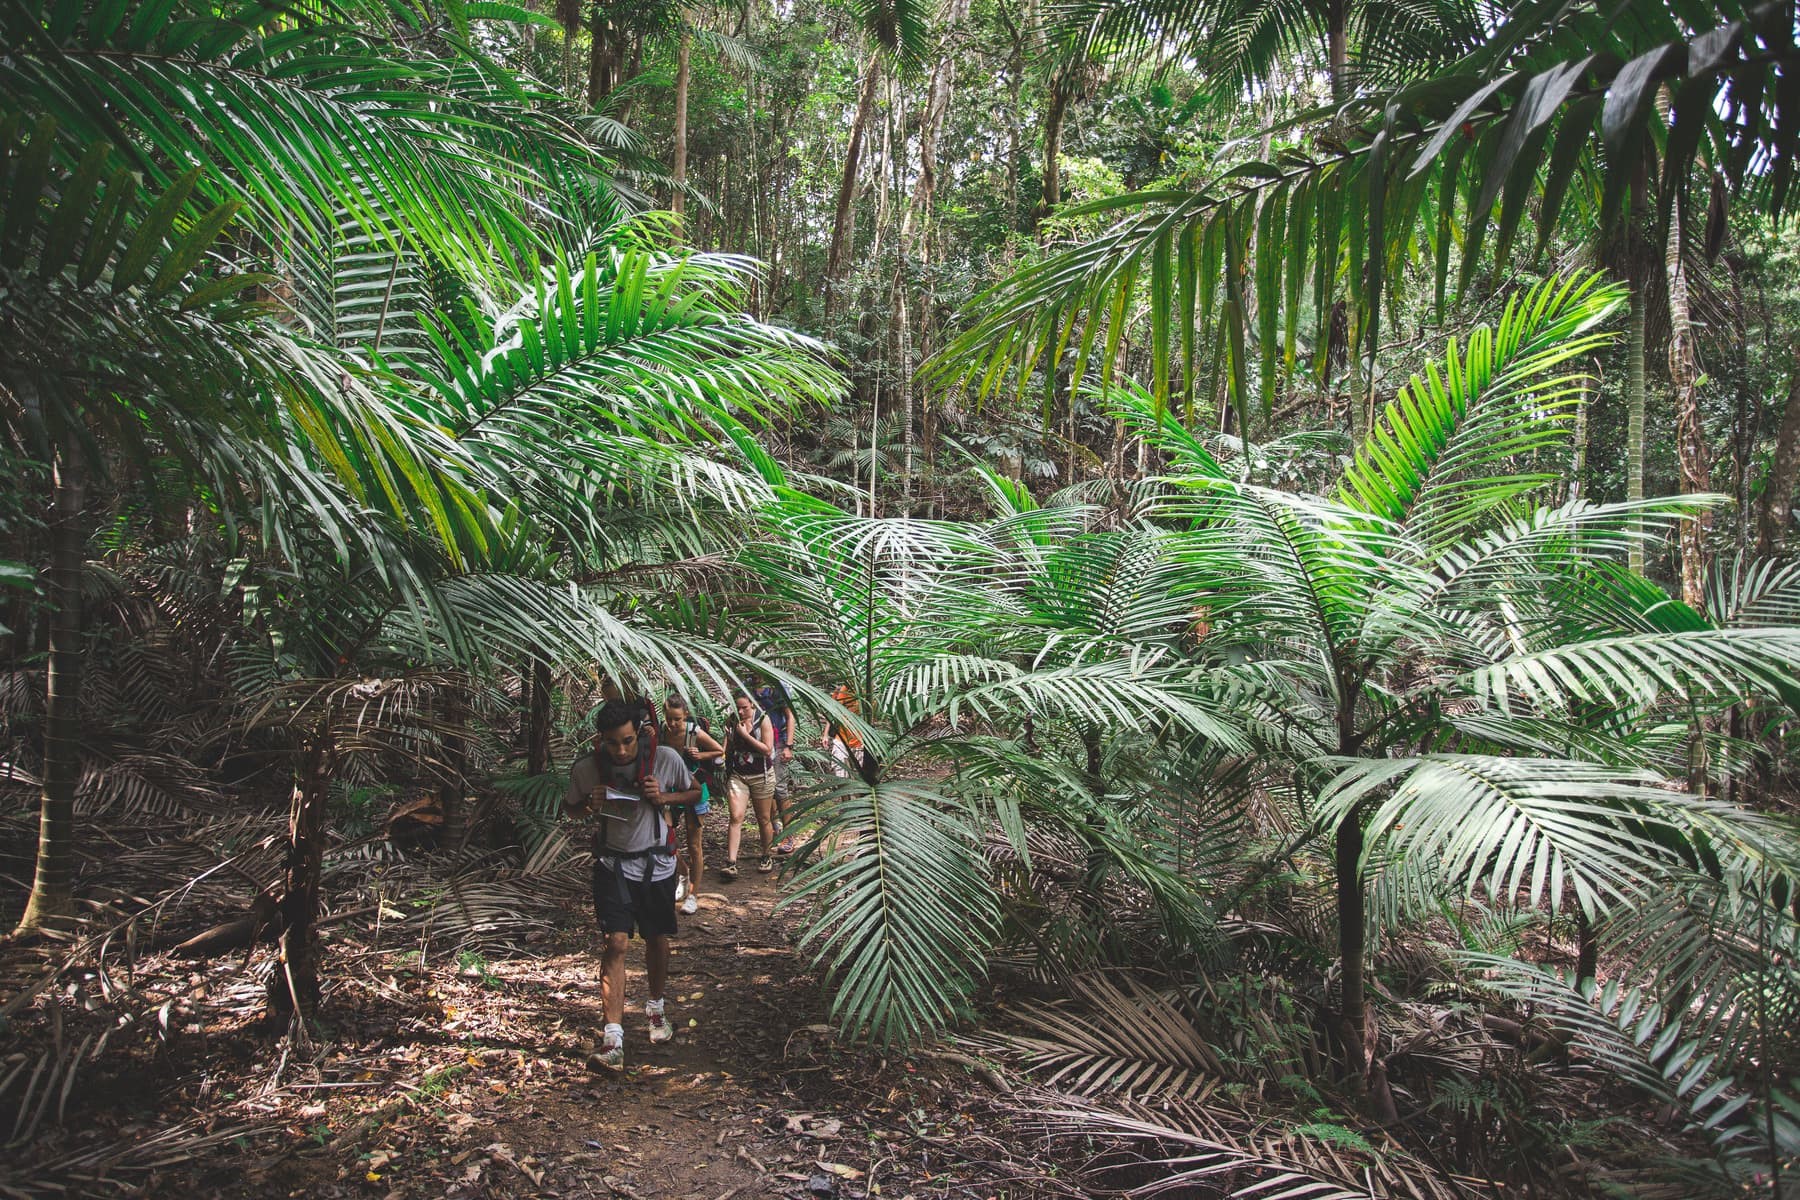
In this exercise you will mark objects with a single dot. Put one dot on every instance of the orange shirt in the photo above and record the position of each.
(845, 735)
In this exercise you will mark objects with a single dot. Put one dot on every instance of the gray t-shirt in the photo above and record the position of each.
(626, 822)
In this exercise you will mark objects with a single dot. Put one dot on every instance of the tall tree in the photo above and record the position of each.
(896, 31)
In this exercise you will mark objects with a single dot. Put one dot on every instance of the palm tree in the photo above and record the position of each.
(136, 341)
(1555, 91)
(1458, 678)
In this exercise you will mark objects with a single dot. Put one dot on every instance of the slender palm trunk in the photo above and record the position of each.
(836, 260)
(1634, 414)
(1357, 1024)
(52, 891)
(1337, 49)
(537, 718)
(678, 162)
(1578, 468)
(294, 987)
(452, 792)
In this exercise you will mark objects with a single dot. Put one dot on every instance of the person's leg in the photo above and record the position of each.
(656, 921)
(696, 848)
(656, 964)
(762, 796)
(612, 977)
(738, 796)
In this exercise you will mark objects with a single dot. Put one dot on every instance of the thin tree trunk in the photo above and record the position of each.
(1778, 493)
(678, 161)
(841, 228)
(1690, 435)
(537, 718)
(1061, 92)
(52, 892)
(453, 791)
(1015, 79)
(1578, 468)
(294, 987)
(1634, 416)
(1337, 49)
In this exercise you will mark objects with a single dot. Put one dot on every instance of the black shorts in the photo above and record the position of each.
(625, 906)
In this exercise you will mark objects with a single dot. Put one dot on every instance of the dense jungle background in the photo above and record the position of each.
(1295, 497)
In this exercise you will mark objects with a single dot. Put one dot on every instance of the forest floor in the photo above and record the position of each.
(463, 1077)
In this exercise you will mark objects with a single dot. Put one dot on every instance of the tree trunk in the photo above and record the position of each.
(1778, 493)
(1061, 92)
(1337, 49)
(1578, 468)
(294, 987)
(1634, 418)
(678, 161)
(600, 59)
(841, 227)
(537, 718)
(453, 791)
(1015, 78)
(1690, 435)
(52, 893)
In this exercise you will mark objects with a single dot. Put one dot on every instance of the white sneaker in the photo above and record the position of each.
(691, 905)
(660, 1030)
(680, 887)
(611, 1055)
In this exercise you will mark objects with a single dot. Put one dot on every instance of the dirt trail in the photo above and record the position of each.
(692, 1118)
(464, 1078)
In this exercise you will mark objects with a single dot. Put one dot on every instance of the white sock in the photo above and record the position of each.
(614, 1035)
(653, 1008)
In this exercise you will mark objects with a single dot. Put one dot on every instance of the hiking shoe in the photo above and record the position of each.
(691, 905)
(611, 1055)
(765, 864)
(786, 848)
(728, 872)
(660, 1030)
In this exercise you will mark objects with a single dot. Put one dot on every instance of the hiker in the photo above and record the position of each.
(687, 734)
(842, 741)
(772, 698)
(750, 757)
(629, 781)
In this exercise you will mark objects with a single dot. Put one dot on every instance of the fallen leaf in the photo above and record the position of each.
(841, 1170)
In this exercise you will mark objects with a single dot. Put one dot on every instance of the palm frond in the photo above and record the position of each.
(904, 910)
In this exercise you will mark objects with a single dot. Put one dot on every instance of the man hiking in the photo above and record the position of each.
(629, 788)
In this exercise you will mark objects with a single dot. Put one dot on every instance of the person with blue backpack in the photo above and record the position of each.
(631, 784)
(772, 698)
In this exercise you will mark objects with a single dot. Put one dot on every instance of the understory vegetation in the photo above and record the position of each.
(1299, 498)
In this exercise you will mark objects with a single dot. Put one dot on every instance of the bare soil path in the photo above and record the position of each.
(464, 1078)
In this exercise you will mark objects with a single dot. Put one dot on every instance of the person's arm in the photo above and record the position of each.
(763, 742)
(707, 745)
(577, 801)
(682, 789)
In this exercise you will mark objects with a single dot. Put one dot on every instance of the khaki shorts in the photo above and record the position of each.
(754, 787)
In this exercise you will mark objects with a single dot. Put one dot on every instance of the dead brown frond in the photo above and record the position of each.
(1126, 1040)
(1198, 1149)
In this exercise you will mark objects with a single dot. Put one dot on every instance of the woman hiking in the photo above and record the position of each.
(750, 756)
(701, 752)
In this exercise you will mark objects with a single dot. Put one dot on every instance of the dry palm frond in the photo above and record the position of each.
(1131, 1041)
(111, 1163)
(1230, 1155)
